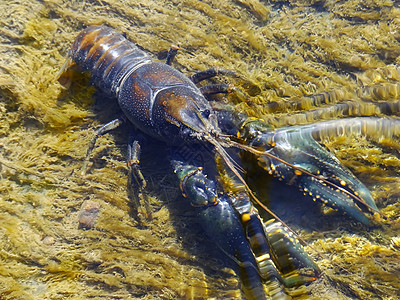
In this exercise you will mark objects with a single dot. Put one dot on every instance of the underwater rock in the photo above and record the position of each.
(88, 214)
(48, 240)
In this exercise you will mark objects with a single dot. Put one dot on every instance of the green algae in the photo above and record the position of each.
(290, 49)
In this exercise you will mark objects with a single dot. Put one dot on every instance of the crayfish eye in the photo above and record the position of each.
(206, 113)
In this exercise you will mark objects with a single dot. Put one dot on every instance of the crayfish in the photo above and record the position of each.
(165, 104)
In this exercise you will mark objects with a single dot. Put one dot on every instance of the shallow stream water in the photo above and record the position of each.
(345, 50)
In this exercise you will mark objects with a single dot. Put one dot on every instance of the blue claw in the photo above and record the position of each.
(260, 251)
(297, 158)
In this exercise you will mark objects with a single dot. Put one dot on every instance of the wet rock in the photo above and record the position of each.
(88, 214)
(48, 240)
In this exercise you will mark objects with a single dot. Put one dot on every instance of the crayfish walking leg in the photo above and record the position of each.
(136, 177)
(99, 132)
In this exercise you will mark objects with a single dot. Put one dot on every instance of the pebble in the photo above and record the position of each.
(88, 214)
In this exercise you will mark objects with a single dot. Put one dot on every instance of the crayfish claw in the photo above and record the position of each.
(298, 159)
(293, 155)
(267, 253)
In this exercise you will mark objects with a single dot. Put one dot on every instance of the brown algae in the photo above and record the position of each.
(346, 51)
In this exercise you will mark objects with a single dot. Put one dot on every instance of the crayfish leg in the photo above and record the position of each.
(212, 72)
(173, 50)
(141, 204)
(212, 89)
(99, 132)
(251, 88)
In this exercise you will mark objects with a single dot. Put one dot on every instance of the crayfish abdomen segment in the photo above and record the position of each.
(107, 55)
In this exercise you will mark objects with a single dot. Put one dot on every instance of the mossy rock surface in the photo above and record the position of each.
(342, 50)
